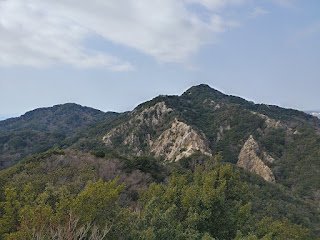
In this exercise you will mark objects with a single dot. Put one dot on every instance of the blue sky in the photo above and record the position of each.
(115, 54)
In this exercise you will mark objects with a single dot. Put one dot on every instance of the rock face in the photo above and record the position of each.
(249, 160)
(179, 141)
(130, 132)
(153, 131)
(152, 116)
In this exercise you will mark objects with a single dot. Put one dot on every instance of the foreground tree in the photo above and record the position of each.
(209, 203)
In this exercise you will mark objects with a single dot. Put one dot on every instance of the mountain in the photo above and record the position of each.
(65, 118)
(281, 145)
(275, 150)
(43, 128)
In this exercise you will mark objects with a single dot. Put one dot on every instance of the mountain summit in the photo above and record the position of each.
(64, 118)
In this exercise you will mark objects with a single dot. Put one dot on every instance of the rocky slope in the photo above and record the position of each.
(179, 141)
(249, 160)
(267, 140)
(156, 131)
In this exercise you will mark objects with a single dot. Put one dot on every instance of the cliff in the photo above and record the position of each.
(249, 159)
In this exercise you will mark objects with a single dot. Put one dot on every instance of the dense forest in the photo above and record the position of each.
(50, 196)
(42, 129)
(169, 169)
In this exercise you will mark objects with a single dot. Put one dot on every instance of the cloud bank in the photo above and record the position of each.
(41, 33)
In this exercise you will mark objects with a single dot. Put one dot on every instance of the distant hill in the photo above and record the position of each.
(314, 113)
(65, 118)
(43, 128)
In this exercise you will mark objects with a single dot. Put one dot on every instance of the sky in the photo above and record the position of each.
(113, 55)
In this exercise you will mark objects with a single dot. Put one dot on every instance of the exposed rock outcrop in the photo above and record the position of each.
(249, 160)
(152, 132)
(150, 117)
(154, 114)
(179, 141)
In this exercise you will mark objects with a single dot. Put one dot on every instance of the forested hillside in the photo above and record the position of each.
(43, 128)
(44, 194)
(286, 141)
(203, 165)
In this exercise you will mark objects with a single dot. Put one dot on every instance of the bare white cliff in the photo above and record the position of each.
(179, 141)
(249, 160)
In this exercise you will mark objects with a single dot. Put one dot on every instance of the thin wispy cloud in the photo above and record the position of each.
(215, 5)
(257, 12)
(43, 33)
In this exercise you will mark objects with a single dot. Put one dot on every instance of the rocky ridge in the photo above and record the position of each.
(163, 136)
(138, 130)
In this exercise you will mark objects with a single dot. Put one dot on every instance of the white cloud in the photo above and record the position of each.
(257, 12)
(215, 5)
(34, 36)
(45, 32)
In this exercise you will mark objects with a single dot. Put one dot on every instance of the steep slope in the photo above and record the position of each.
(155, 130)
(204, 120)
(249, 159)
(43, 128)
(290, 137)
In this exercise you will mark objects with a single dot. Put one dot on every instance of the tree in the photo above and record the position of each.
(209, 203)
(97, 202)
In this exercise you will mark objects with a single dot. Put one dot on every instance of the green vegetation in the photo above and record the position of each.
(91, 190)
(65, 118)
(211, 203)
(299, 167)
(146, 165)
(44, 128)
(17, 145)
(275, 201)
(228, 121)
(206, 203)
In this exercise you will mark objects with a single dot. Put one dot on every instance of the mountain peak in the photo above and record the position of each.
(203, 90)
(201, 87)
